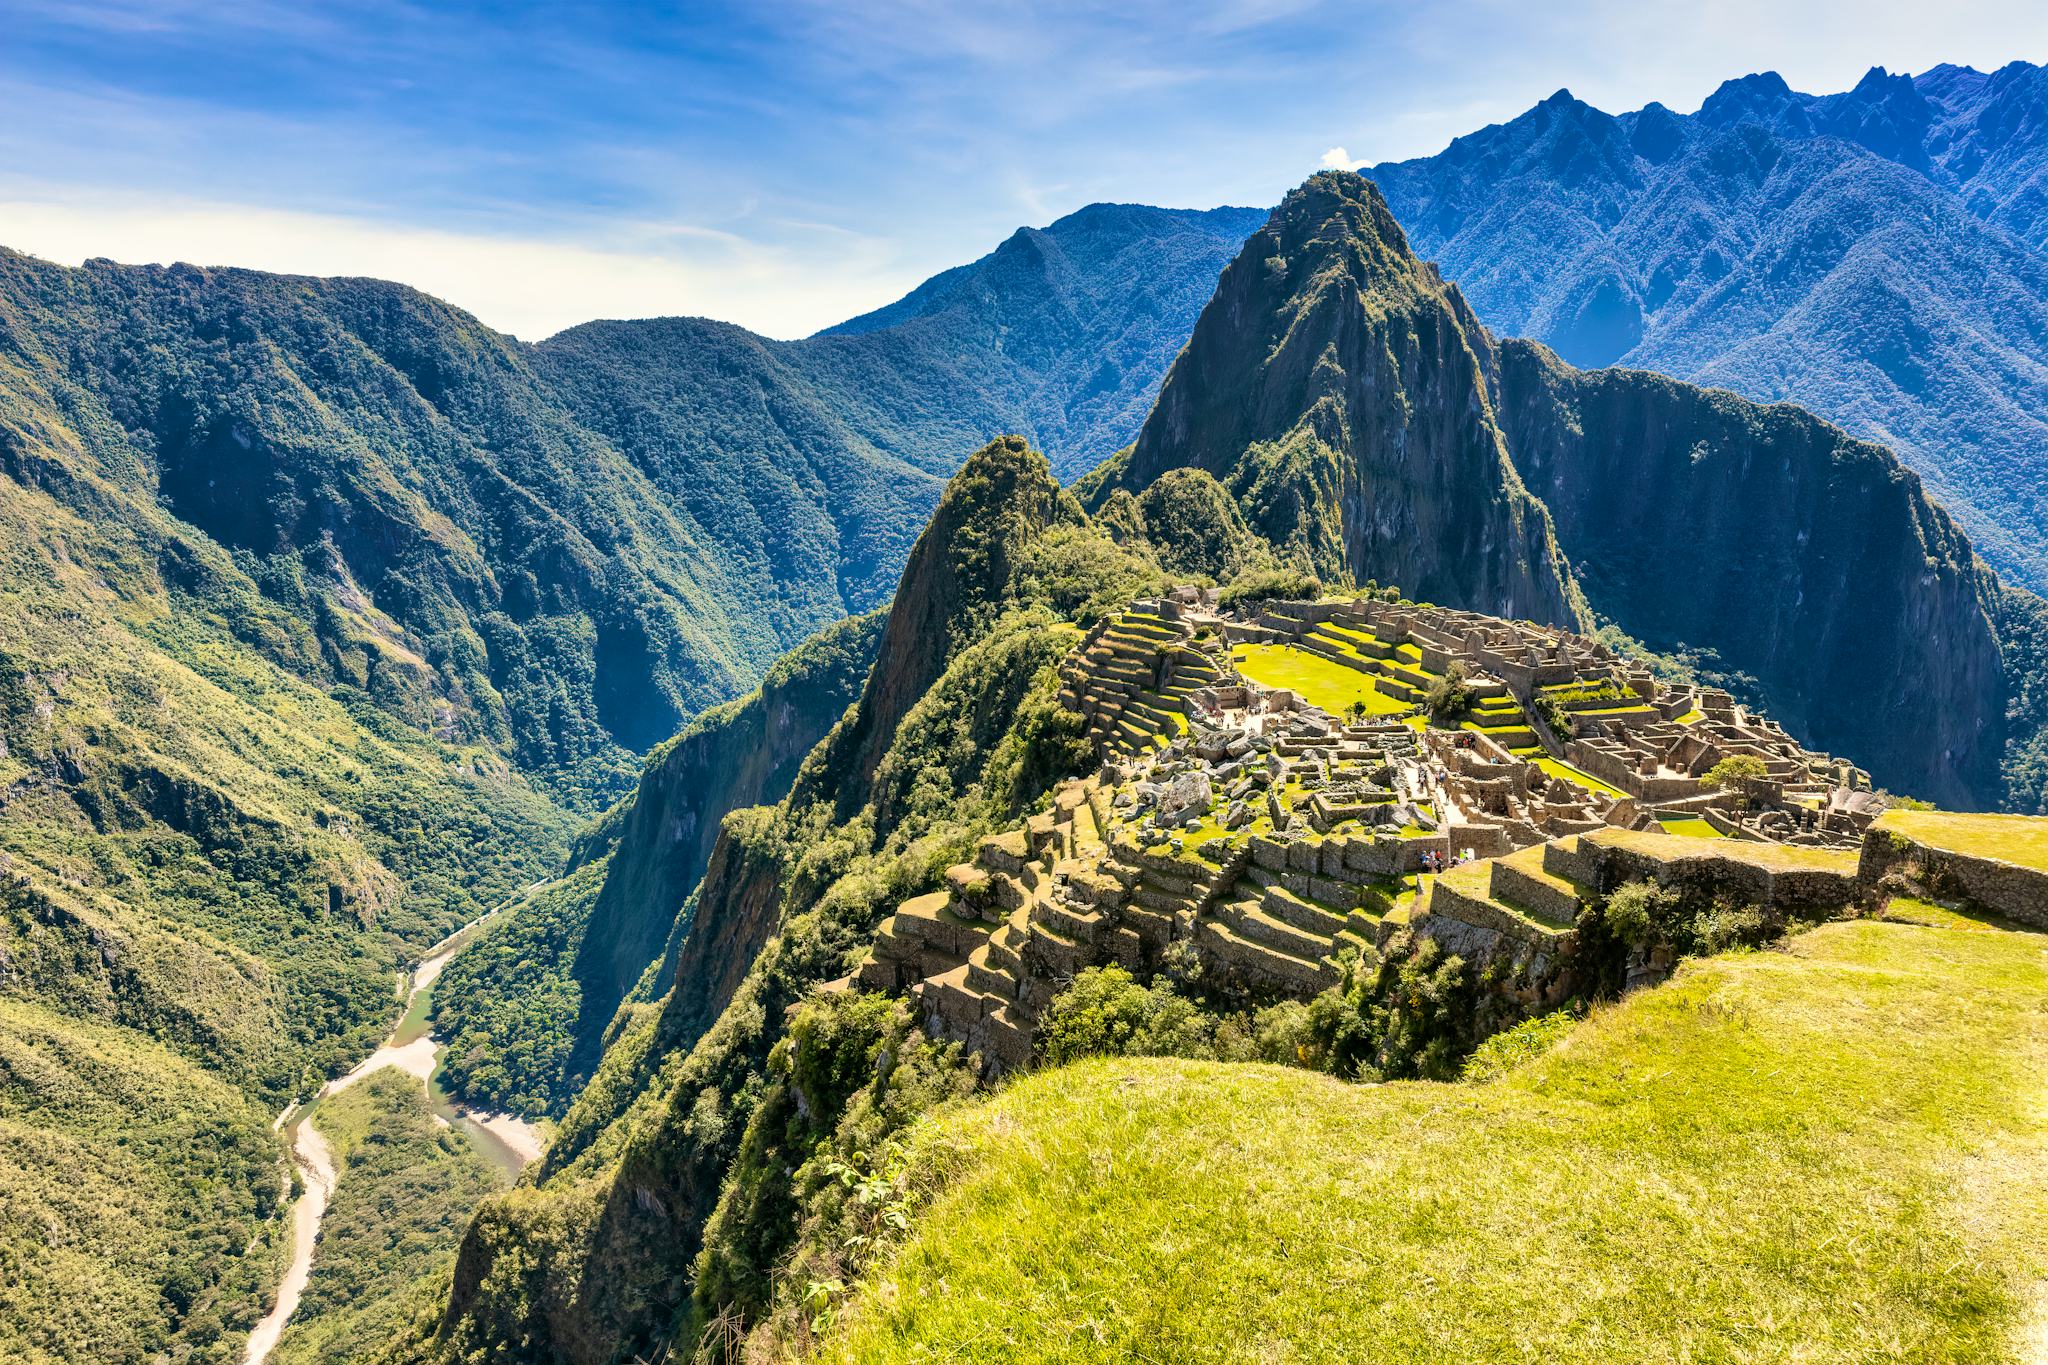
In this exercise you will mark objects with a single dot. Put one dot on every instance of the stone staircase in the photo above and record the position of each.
(1037, 906)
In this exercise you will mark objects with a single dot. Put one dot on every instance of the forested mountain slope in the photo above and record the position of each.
(955, 732)
(326, 611)
(1876, 256)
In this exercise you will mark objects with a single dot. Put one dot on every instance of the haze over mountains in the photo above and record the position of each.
(1874, 255)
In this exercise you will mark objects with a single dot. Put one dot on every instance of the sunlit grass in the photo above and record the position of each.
(1830, 1153)
(1556, 768)
(2017, 839)
(1322, 683)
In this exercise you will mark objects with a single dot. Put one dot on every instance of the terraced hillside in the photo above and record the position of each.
(1066, 817)
(1273, 842)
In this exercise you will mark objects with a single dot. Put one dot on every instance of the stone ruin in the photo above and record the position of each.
(1268, 838)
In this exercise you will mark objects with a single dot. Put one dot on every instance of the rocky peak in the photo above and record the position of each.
(961, 574)
(1760, 97)
(1336, 387)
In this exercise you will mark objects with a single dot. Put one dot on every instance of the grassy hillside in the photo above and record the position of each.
(1840, 1144)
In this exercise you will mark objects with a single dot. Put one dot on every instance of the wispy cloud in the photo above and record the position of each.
(529, 287)
(779, 165)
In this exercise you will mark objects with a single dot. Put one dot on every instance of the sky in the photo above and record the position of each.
(786, 164)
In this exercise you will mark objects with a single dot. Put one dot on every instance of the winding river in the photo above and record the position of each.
(508, 1143)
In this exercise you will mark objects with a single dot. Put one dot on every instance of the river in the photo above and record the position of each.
(504, 1140)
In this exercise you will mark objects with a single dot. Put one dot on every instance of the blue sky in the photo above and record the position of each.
(785, 165)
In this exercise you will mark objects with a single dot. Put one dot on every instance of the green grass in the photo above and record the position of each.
(2016, 839)
(1830, 1153)
(1775, 857)
(1566, 771)
(1690, 826)
(1322, 682)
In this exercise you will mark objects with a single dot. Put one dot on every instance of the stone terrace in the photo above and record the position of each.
(1263, 839)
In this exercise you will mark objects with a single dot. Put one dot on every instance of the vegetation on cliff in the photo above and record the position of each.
(676, 1145)
(527, 1008)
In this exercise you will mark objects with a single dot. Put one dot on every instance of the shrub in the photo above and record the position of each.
(1107, 1013)
(1449, 697)
(1508, 1049)
(1412, 1012)
(1637, 911)
(1280, 1033)
(1726, 926)
(1257, 587)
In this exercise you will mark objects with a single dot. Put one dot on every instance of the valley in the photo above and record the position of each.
(506, 1143)
(1195, 786)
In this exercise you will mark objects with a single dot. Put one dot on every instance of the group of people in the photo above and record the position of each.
(1433, 861)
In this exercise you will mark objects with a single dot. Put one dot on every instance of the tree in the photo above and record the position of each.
(1734, 774)
(1450, 696)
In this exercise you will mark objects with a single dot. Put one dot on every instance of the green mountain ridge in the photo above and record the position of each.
(328, 613)
(697, 1162)
(325, 615)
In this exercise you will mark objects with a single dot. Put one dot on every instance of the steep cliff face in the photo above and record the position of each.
(962, 573)
(1364, 421)
(1802, 556)
(1335, 386)
(1873, 255)
(959, 716)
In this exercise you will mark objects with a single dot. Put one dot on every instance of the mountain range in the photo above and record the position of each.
(1875, 256)
(328, 613)
(331, 618)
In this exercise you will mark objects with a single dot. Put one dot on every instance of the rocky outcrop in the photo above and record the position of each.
(1335, 387)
